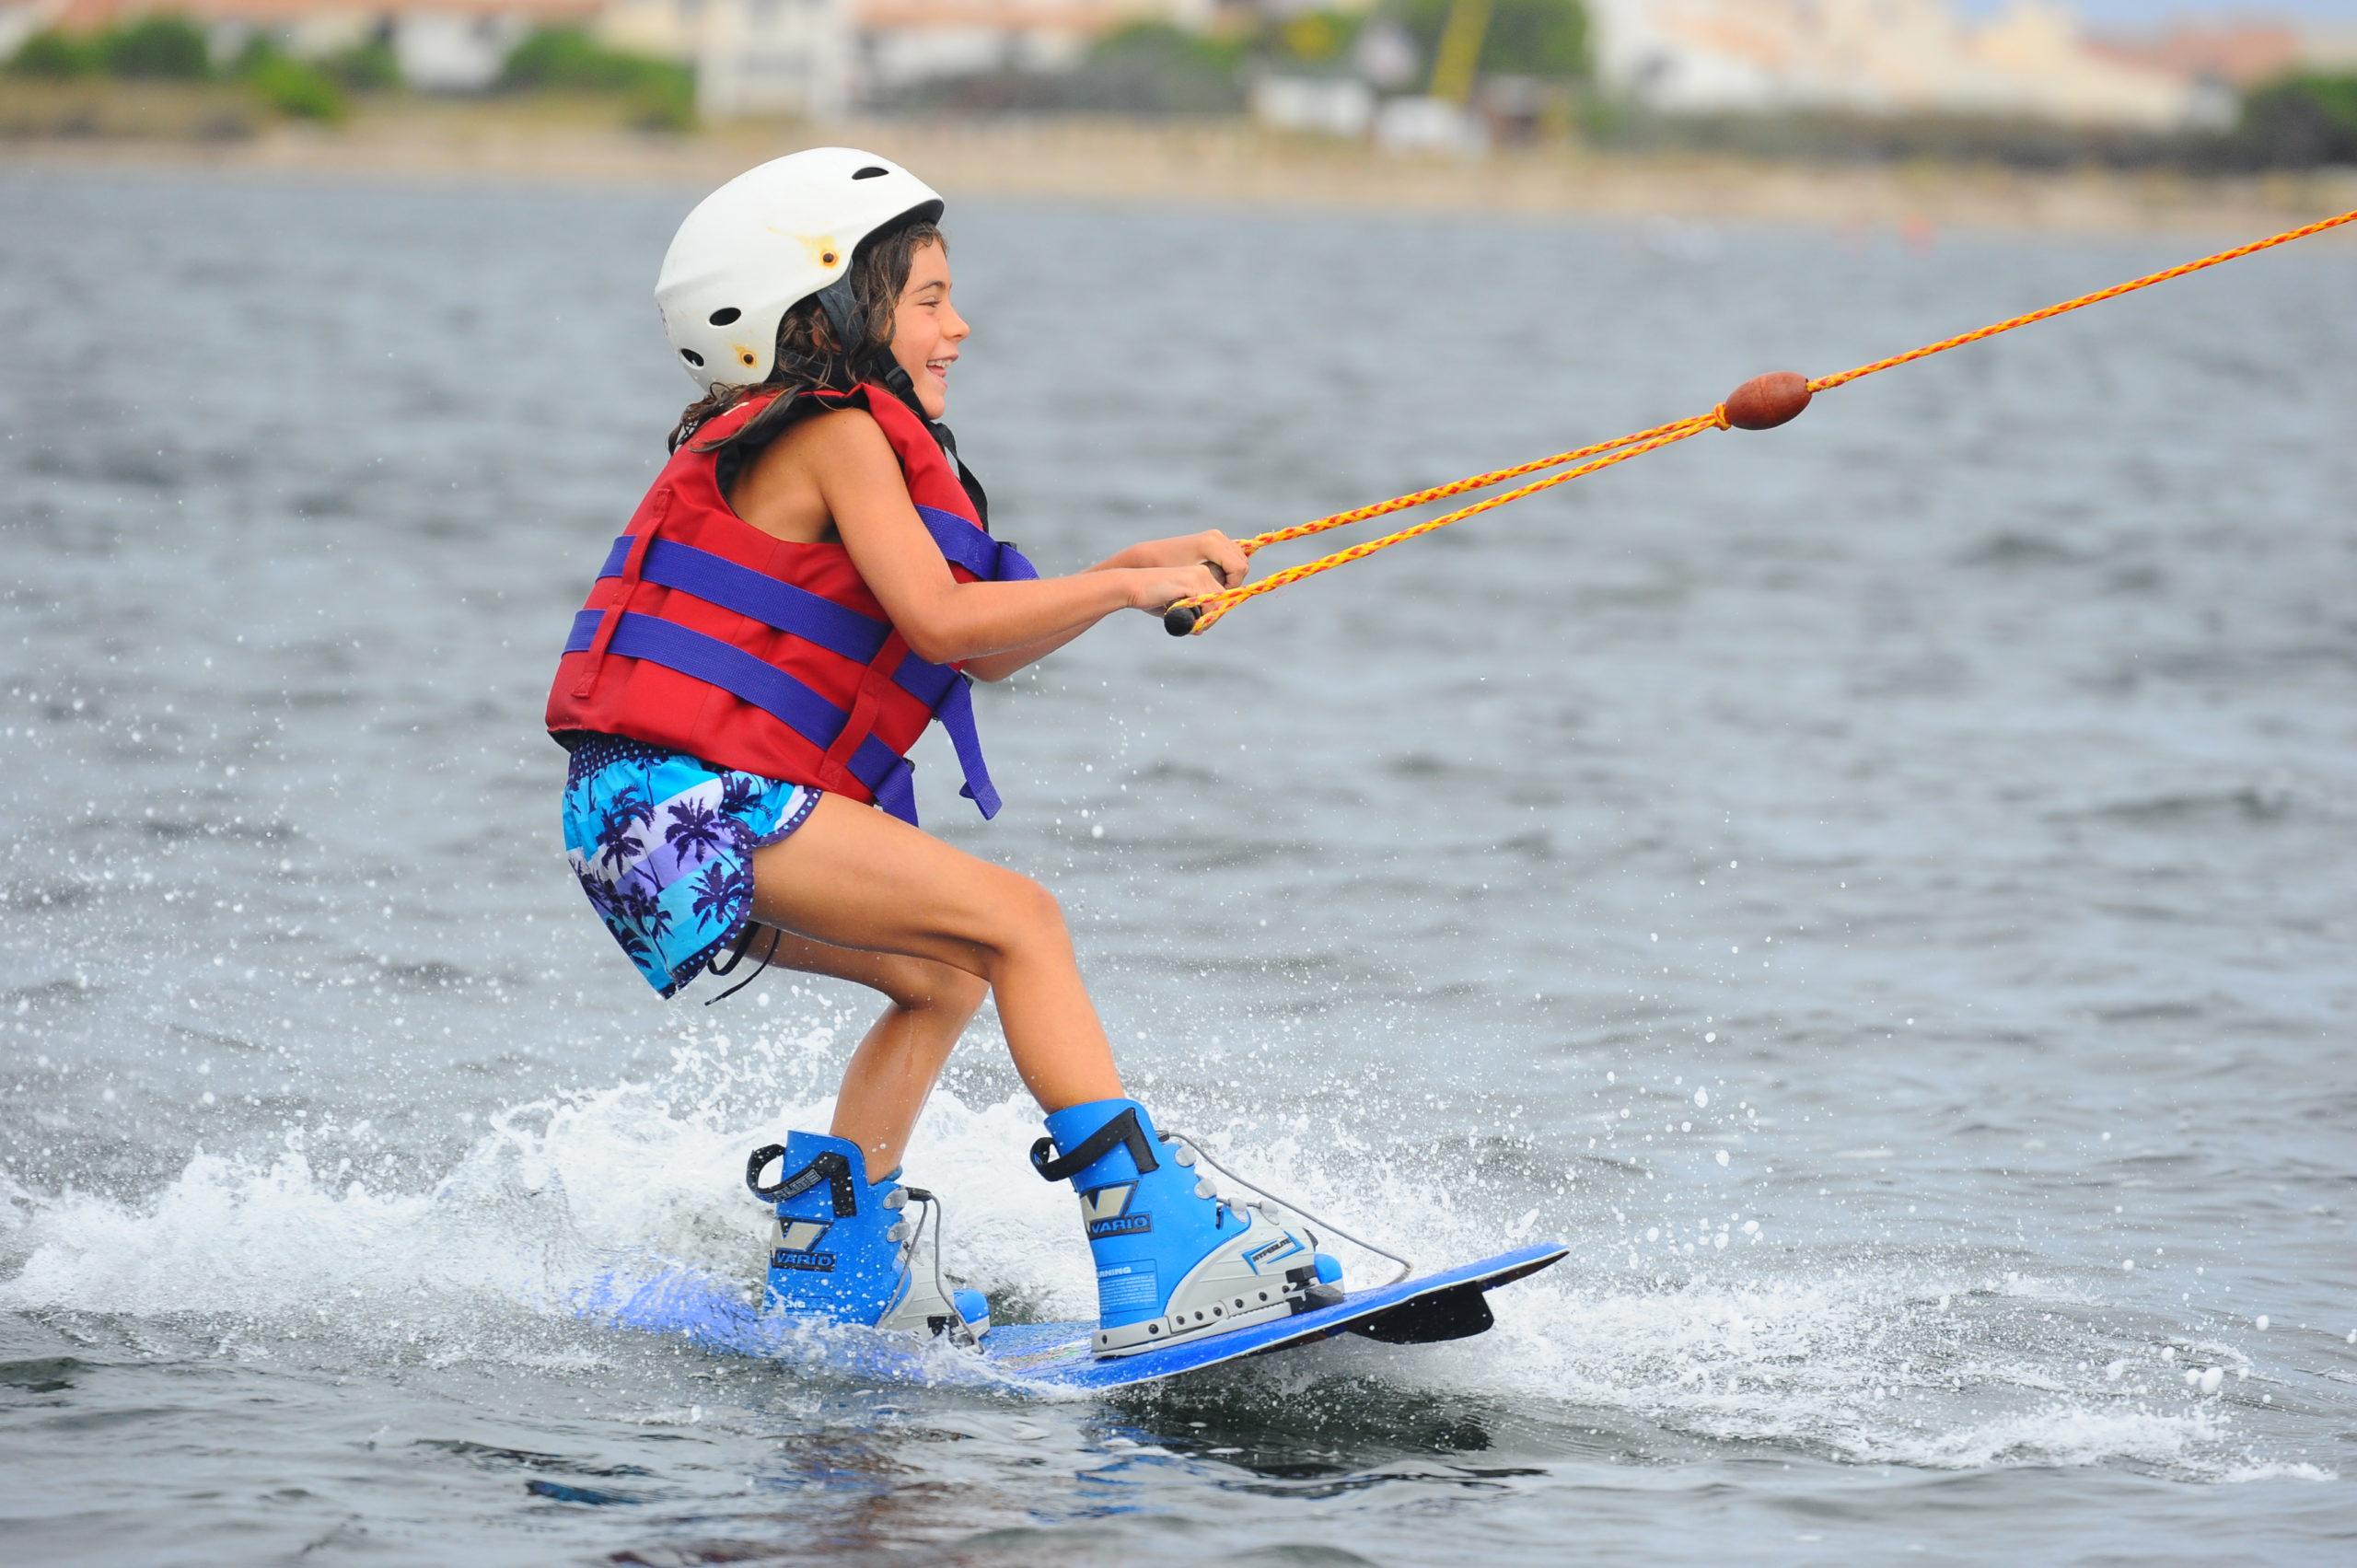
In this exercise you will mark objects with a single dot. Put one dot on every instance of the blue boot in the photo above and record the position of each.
(841, 1249)
(1174, 1259)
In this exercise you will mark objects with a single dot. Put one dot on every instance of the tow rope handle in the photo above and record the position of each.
(1179, 618)
(1761, 404)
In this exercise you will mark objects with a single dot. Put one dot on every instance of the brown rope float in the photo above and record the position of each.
(1766, 401)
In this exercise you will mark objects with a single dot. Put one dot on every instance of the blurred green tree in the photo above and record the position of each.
(1155, 69)
(162, 45)
(659, 94)
(367, 67)
(2301, 121)
(296, 89)
(56, 56)
(299, 89)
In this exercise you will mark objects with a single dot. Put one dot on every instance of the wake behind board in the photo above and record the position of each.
(1450, 1305)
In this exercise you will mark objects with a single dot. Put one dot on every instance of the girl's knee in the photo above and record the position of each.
(1031, 911)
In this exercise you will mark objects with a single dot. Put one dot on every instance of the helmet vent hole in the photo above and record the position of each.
(725, 315)
(827, 258)
(691, 357)
(871, 172)
(745, 355)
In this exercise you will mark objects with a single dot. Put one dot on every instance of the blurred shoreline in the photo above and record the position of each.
(1230, 163)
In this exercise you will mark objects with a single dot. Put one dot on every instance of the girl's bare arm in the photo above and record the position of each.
(1001, 626)
(1212, 548)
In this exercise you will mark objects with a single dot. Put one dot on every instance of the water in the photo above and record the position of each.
(1864, 888)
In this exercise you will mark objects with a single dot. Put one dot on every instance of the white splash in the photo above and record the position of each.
(1865, 1362)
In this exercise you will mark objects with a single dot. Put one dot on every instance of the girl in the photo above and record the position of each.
(811, 580)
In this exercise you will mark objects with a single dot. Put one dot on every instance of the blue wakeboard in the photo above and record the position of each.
(713, 1314)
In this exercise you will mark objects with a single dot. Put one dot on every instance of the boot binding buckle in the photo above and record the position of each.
(829, 1167)
(1122, 1129)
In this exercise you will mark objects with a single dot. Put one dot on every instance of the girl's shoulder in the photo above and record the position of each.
(831, 433)
(828, 434)
(795, 484)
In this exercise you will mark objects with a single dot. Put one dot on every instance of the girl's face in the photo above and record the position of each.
(926, 330)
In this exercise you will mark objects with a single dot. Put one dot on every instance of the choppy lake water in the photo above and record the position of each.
(1882, 892)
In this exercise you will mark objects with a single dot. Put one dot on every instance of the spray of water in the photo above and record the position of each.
(1935, 1362)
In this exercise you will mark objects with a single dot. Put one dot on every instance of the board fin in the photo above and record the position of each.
(1450, 1315)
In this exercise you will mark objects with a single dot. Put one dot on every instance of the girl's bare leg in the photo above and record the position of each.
(852, 876)
(894, 1069)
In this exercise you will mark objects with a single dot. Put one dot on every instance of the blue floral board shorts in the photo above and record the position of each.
(663, 845)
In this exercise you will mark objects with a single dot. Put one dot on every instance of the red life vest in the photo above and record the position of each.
(705, 636)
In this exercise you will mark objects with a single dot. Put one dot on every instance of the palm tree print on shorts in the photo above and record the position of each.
(695, 828)
(662, 845)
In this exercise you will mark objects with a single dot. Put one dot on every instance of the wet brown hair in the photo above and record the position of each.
(808, 358)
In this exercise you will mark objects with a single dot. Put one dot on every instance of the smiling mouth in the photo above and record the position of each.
(940, 367)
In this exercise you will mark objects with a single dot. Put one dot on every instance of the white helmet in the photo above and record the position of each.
(767, 240)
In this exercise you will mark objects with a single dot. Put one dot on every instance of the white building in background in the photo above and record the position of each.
(1320, 106)
(2237, 52)
(19, 20)
(905, 41)
(751, 57)
(818, 58)
(1882, 57)
(461, 47)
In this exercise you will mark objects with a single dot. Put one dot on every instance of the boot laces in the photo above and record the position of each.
(930, 1218)
(1191, 1150)
(1223, 1206)
(901, 1233)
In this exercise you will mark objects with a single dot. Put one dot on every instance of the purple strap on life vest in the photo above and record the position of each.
(947, 692)
(621, 562)
(950, 694)
(991, 560)
(888, 774)
(963, 544)
(758, 595)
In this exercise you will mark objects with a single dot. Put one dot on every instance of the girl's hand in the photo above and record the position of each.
(1209, 548)
(1155, 588)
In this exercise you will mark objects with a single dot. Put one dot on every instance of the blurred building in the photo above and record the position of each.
(2238, 53)
(905, 41)
(2235, 53)
(751, 57)
(19, 20)
(1324, 106)
(1888, 57)
(822, 57)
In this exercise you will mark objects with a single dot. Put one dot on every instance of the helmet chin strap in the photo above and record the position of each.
(844, 314)
(849, 322)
